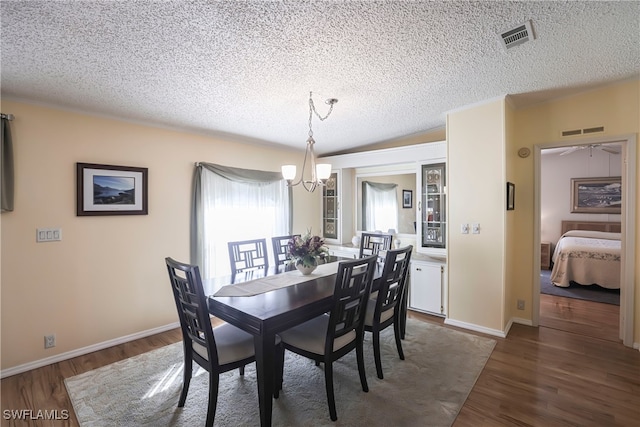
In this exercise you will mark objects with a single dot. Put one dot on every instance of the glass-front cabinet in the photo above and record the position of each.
(330, 220)
(337, 223)
(433, 214)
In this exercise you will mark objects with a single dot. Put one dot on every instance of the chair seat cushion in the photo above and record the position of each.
(312, 334)
(371, 308)
(233, 344)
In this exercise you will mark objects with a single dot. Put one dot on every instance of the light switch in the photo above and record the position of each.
(48, 234)
(464, 228)
(475, 228)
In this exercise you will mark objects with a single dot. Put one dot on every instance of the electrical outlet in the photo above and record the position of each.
(49, 341)
(520, 304)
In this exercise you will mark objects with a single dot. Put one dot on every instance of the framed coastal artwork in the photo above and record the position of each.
(596, 195)
(111, 190)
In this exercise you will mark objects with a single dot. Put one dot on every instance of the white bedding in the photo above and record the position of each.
(587, 257)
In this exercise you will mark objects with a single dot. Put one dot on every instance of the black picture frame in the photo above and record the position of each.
(511, 196)
(596, 195)
(111, 190)
(407, 199)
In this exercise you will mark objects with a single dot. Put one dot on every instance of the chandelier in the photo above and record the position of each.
(319, 172)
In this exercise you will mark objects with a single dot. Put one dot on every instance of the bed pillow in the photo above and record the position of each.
(593, 234)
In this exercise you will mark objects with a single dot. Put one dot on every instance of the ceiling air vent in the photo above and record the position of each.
(516, 36)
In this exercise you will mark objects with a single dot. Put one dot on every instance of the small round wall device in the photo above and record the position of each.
(524, 152)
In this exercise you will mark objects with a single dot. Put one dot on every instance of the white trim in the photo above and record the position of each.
(474, 327)
(390, 156)
(628, 220)
(85, 350)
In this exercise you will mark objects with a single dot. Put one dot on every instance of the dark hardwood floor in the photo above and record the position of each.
(560, 374)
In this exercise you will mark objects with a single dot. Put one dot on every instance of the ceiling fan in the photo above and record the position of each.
(602, 147)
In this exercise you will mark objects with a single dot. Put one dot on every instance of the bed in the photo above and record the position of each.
(587, 253)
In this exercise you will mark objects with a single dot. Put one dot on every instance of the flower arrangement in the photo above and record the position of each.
(306, 249)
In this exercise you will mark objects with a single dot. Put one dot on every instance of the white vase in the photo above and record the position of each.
(355, 241)
(305, 270)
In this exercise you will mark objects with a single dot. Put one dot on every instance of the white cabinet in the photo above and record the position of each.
(341, 207)
(427, 287)
(343, 251)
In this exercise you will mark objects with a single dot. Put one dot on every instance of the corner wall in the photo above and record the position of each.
(476, 190)
(617, 108)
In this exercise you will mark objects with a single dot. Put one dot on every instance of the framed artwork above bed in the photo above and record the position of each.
(596, 195)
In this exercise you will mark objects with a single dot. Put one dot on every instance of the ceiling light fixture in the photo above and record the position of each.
(319, 172)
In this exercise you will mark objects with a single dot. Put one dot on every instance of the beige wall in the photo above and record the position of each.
(106, 279)
(490, 272)
(517, 260)
(556, 172)
(476, 164)
(616, 107)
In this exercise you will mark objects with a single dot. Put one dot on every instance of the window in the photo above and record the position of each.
(380, 203)
(236, 204)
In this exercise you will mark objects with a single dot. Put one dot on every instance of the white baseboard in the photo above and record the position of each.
(85, 350)
(474, 327)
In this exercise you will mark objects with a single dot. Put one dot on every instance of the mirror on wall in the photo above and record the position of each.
(384, 200)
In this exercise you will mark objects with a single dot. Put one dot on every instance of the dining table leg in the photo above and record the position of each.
(265, 368)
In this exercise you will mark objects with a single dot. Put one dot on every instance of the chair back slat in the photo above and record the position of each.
(280, 246)
(393, 280)
(191, 304)
(373, 243)
(351, 292)
(248, 255)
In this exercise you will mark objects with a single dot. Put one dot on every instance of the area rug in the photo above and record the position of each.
(590, 293)
(427, 388)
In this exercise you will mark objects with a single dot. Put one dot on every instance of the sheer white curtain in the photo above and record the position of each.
(238, 210)
(380, 206)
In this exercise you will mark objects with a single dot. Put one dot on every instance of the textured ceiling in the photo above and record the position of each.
(245, 69)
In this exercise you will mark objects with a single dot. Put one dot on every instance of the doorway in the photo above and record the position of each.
(624, 315)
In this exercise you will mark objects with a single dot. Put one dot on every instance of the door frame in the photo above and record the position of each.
(628, 222)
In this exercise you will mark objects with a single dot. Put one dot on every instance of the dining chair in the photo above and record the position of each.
(280, 246)
(216, 350)
(385, 309)
(326, 338)
(248, 255)
(373, 243)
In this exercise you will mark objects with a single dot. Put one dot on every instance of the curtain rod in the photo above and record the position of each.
(6, 116)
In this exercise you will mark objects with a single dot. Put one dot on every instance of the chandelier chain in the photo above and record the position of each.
(312, 109)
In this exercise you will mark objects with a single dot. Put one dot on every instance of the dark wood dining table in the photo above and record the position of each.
(266, 314)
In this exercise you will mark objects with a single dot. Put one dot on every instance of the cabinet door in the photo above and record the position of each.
(330, 219)
(433, 216)
(337, 223)
(426, 287)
